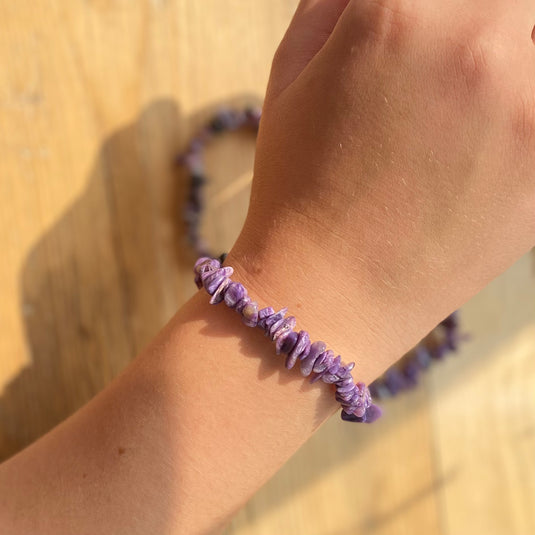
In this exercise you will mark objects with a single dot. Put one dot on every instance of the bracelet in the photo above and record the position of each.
(403, 375)
(356, 400)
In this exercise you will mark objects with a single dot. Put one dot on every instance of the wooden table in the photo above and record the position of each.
(96, 98)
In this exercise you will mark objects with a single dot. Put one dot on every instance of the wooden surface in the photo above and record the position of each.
(95, 99)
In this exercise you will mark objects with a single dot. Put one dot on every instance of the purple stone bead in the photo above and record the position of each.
(285, 342)
(321, 365)
(242, 303)
(270, 320)
(219, 294)
(394, 381)
(439, 352)
(452, 340)
(281, 327)
(202, 260)
(329, 378)
(423, 356)
(211, 281)
(335, 365)
(323, 361)
(451, 322)
(411, 372)
(263, 314)
(302, 347)
(235, 292)
(344, 389)
(308, 360)
(203, 264)
(345, 371)
(250, 314)
(374, 389)
(373, 412)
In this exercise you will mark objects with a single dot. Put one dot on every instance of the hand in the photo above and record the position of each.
(395, 168)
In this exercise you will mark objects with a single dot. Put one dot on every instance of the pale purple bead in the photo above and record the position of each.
(219, 294)
(343, 389)
(235, 292)
(285, 326)
(263, 314)
(270, 320)
(281, 327)
(250, 314)
(329, 378)
(204, 264)
(345, 371)
(211, 281)
(335, 365)
(345, 381)
(302, 347)
(286, 342)
(324, 361)
(308, 360)
(343, 398)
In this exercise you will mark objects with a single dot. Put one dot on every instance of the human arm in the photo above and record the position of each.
(331, 275)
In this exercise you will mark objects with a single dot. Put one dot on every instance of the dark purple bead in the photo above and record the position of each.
(286, 342)
(451, 322)
(394, 381)
(374, 390)
(216, 125)
(411, 372)
(439, 352)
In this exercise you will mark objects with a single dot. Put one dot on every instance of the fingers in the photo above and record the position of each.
(309, 29)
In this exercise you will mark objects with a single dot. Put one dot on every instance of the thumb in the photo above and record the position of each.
(309, 29)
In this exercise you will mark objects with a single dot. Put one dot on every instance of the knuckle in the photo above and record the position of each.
(385, 20)
(479, 58)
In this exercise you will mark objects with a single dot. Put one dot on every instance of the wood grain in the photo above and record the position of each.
(96, 98)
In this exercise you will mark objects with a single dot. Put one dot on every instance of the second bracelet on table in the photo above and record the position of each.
(315, 358)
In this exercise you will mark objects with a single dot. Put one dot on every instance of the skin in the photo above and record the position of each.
(393, 180)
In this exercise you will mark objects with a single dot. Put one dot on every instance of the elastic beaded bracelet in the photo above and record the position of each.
(314, 358)
(400, 377)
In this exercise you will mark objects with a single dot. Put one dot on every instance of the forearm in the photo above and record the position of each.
(177, 443)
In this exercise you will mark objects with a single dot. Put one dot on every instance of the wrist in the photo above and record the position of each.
(282, 270)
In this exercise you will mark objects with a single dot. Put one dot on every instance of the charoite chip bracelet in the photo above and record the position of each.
(314, 358)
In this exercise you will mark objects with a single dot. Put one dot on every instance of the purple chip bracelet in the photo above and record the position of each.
(403, 375)
(356, 400)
